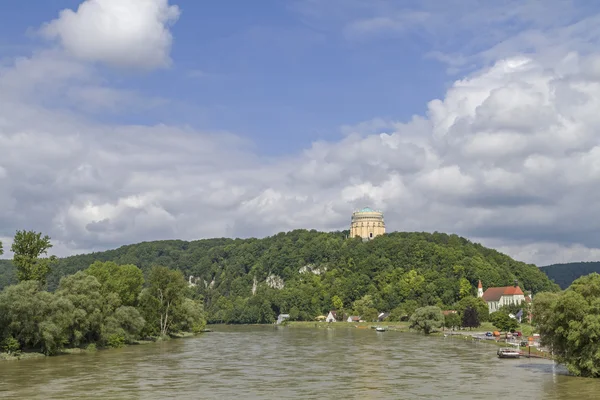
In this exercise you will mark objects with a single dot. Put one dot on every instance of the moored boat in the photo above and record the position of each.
(508, 353)
(380, 329)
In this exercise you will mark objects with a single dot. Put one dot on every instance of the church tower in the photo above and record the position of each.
(479, 289)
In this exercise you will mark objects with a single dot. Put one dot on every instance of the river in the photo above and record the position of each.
(268, 362)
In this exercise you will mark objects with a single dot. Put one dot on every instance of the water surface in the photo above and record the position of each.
(269, 362)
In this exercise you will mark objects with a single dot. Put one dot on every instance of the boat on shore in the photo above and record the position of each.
(508, 353)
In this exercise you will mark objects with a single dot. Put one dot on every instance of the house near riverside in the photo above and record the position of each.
(331, 317)
(353, 318)
(496, 297)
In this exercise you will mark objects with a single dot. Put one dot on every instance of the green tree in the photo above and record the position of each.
(164, 294)
(124, 280)
(190, 316)
(10, 345)
(542, 308)
(90, 306)
(476, 303)
(365, 308)
(426, 319)
(470, 318)
(294, 313)
(404, 310)
(338, 304)
(503, 321)
(28, 247)
(122, 326)
(465, 288)
(569, 324)
(1, 249)
(35, 318)
(452, 320)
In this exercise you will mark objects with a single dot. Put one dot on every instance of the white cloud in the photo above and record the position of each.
(131, 33)
(477, 166)
(508, 156)
(465, 34)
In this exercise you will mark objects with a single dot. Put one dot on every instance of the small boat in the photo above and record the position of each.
(380, 329)
(508, 353)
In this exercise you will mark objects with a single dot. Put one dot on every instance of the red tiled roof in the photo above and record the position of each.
(448, 312)
(495, 293)
(512, 290)
(479, 285)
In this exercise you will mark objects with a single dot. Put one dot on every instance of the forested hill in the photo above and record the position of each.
(565, 274)
(304, 270)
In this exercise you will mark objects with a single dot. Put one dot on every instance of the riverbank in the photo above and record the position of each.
(476, 336)
(480, 337)
(26, 355)
(391, 326)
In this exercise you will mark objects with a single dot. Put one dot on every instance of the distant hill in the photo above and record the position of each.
(177, 254)
(564, 274)
(248, 280)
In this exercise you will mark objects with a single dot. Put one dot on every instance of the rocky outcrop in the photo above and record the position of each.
(311, 268)
(275, 282)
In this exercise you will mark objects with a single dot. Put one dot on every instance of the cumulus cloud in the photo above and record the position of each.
(131, 33)
(477, 165)
(509, 156)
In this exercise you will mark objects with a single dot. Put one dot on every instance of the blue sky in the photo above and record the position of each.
(260, 69)
(124, 121)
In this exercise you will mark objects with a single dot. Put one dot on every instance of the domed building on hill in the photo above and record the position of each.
(367, 223)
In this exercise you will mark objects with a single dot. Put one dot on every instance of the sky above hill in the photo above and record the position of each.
(125, 121)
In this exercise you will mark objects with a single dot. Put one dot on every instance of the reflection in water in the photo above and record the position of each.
(279, 362)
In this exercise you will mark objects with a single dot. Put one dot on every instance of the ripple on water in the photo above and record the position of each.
(275, 363)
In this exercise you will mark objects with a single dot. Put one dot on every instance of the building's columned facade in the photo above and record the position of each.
(367, 223)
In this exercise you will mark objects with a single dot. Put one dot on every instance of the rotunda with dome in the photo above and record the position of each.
(367, 223)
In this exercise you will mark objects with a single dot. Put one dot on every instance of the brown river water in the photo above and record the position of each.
(269, 362)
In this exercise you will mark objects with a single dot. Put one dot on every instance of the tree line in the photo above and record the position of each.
(317, 271)
(569, 325)
(469, 313)
(106, 304)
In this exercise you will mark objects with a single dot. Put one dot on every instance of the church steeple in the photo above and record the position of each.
(479, 289)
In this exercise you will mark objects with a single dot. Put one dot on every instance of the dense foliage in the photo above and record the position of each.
(399, 272)
(503, 321)
(426, 319)
(565, 274)
(106, 304)
(569, 324)
(28, 248)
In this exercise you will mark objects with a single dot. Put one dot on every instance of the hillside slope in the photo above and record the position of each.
(242, 279)
(565, 274)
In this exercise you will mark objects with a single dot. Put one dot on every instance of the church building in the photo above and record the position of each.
(497, 297)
